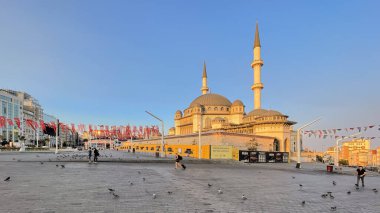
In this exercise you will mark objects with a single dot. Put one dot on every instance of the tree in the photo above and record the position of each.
(319, 158)
(343, 162)
(252, 145)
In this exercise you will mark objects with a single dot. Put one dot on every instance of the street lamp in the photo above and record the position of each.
(299, 141)
(163, 154)
(336, 160)
(56, 137)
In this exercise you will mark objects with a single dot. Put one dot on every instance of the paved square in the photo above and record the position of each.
(83, 187)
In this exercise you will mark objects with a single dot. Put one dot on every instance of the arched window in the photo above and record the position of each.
(221, 109)
(216, 108)
(276, 145)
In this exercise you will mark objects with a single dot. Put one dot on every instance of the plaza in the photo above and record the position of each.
(83, 187)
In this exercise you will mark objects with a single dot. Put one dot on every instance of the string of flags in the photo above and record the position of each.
(99, 131)
(337, 133)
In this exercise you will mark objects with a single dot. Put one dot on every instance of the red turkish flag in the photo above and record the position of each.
(10, 122)
(42, 125)
(2, 121)
(17, 120)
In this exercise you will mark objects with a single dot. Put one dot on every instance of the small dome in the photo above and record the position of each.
(211, 99)
(264, 112)
(237, 103)
(178, 112)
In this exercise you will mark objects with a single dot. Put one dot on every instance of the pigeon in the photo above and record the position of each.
(293, 177)
(143, 179)
(324, 195)
(63, 166)
(349, 192)
(244, 197)
(111, 190)
(333, 208)
(334, 183)
(209, 185)
(220, 191)
(332, 197)
(131, 184)
(41, 162)
(300, 186)
(303, 203)
(154, 196)
(374, 190)
(7, 179)
(169, 192)
(115, 195)
(57, 165)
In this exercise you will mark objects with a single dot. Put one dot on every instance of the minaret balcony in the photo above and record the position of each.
(257, 86)
(259, 61)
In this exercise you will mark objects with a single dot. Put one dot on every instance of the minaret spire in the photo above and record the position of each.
(204, 88)
(256, 65)
(257, 37)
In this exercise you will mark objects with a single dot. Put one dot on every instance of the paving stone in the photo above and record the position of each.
(83, 187)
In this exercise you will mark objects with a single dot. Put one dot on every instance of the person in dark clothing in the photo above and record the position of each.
(178, 159)
(89, 155)
(96, 154)
(360, 175)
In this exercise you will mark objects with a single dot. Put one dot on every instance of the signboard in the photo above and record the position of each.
(253, 157)
(278, 157)
(263, 157)
(270, 157)
(221, 152)
(244, 156)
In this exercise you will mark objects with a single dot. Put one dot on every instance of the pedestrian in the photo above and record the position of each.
(89, 155)
(360, 175)
(178, 159)
(96, 154)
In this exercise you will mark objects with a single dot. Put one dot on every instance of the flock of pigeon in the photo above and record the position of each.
(154, 196)
(330, 195)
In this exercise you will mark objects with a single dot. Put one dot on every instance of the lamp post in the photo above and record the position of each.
(56, 137)
(336, 159)
(163, 154)
(299, 141)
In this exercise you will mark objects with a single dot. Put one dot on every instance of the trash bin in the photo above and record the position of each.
(157, 154)
(330, 168)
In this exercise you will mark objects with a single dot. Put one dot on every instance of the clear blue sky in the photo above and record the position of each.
(106, 62)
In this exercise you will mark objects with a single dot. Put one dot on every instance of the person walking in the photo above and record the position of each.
(360, 175)
(178, 163)
(89, 155)
(96, 154)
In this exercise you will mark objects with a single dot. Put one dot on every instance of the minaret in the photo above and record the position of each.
(256, 66)
(204, 88)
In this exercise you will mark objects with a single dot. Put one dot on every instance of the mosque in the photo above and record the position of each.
(214, 114)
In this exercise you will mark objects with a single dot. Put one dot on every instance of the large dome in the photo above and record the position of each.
(211, 99)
